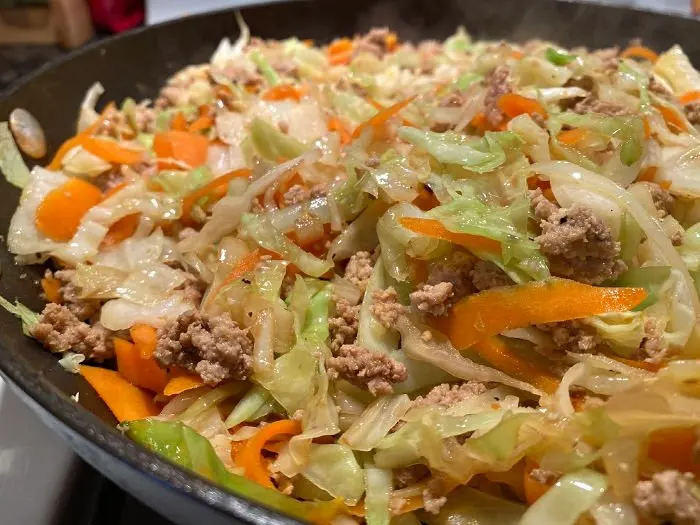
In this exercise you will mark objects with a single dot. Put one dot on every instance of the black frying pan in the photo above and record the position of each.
(136, 65)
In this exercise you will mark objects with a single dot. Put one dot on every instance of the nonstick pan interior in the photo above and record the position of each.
(136, 65)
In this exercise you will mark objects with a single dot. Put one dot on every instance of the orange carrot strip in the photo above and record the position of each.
(181, 383)
(513, 105)
(245, 264)
(145, 338)
(672, 118)
(126, 401)
(496, 352)
(144, 373)
(52, 289)
(213, 189)
(58, 216)
(648, 174)
(640, 52)
(250, 458)
(283, 92)
(179, 122)
(190, 148)
(72, 142)
(382, 116)
(534, 490)
(391, 41)
(201, 123)
(340, 52)
(517, 54)
(572, 137)
(644, 365)
(122, 229)
(335, 124)
(689, 96)
(673, 447)
(112, 151)
(665, 184)
(488, 313)
(434, 228)
(647, 128)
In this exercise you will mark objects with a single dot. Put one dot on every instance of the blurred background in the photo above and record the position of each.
(33, 32)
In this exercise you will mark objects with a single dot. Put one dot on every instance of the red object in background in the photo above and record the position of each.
(117, 15)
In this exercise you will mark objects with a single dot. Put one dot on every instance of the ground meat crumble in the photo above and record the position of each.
(406, 476)
(373, 370)
(573, 336)
(59, 330)
(296, 194)
(343, 325)
(447, 395)
(433, 299)
(455, 269)
(498, 83)
(578, 244)
(359, 269)
(70, 297)
(668, 496)
(434, 496)
(374, 42)
(653, 348)
(663, 200)
(692, 112)
(593, 104)
(486, 275)
(212, 346)
(386, 307)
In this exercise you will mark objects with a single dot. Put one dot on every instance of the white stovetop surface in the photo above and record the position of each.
(35, 465)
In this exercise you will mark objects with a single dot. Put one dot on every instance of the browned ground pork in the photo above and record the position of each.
(498, 83)
(70, 297)
(374, 42)
(386, 307)
(214, 347)
(433, 299)
(296, 194)
(573, 336)
(447, 395)
(434, 496)
(668, 497)
(663, 200)
(653, 347)
(372, 370)
(403, 477)
(610, 58)
(59, 330)
(486, 275)
(343, 325)
(692, 112)
(455, 269)
(593, 104)
(578, 244)
(359, 269)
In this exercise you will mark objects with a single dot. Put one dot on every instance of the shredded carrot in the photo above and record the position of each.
(126, 401)
(177, 384)
(122, 229)
(335, 124)
(380, 107)
(178, 122)
(534, 490)
(674, 448)
(283, 92)
(132, 366)
(58, 216)
(434, 228)
(391, 41)
(214, 190)
(572, 137)
(647, 128)
(201, 123)
(250, 459)
(52, 289)
(689, 96)
(648, 174)
(426, 199)
(640, 52)
(496, 352)
(672, 118)
(112, 151)
(665, 184)
(190, 148)
(340, 52)
(378, 120)
(145, 337)
(245, 264)
(513, 105)
(71, 143)
(486, 314)
(481, 123)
